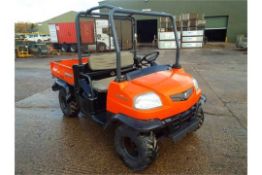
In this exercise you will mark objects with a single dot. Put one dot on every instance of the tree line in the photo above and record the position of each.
(24, 27)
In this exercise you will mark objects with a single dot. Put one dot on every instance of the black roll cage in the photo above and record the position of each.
(120, 13)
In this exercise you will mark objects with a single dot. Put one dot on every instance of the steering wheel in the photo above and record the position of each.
(149, 58)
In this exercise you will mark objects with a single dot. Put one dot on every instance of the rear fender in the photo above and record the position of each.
(60, 84)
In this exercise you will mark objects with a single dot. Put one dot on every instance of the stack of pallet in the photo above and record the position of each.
(166, 40)
(190, 21)
(166, 37)
(190, 28)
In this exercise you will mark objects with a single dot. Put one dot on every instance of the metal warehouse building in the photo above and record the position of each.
(225, 19)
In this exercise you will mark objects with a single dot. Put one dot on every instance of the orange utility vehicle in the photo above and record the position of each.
(140, 98)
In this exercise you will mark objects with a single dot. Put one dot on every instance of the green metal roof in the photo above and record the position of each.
(66, 17)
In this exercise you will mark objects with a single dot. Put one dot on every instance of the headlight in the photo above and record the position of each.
(195, 84)
(147, 101)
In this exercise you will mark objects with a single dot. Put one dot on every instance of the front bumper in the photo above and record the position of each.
(185, 121)
(177, 132)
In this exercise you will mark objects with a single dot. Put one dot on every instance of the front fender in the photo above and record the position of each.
(138, 125)
(149, 125)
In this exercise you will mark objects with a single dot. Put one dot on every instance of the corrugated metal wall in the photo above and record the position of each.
(236, 10)
(124, 32)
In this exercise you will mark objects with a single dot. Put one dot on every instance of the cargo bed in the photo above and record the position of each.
(63, 69)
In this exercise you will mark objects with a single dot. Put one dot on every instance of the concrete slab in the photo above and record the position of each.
(44, 99)
(48, 143)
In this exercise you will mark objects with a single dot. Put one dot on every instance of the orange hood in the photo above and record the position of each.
(165, 83)
(170, 82)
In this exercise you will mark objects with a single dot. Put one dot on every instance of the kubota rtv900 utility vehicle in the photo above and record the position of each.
(140, 98)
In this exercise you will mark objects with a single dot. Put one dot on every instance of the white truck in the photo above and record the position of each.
(95, 36)
(103, 38)
(36, 37)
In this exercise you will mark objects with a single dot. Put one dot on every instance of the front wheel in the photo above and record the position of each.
(200, 117)
(70, 108)
(136, 150)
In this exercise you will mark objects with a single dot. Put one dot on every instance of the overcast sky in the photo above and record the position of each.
(41, 10)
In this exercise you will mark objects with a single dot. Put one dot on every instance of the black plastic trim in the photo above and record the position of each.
(139, 125)
(146, 71)
(184, 130)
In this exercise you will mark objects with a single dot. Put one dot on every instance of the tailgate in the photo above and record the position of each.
(62, 72)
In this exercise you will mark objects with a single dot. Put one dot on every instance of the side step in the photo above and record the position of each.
(100, 118)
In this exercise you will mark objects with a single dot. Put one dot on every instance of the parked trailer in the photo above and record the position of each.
(63, 35)
(95, 35)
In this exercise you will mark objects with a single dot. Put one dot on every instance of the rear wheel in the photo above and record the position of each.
(73, 48)
(136, 150)
(70, 108)
(85, 48)
(64, 48)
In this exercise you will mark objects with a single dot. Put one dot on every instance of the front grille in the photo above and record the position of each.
(182, 96)
(180, 120)
(181, 117)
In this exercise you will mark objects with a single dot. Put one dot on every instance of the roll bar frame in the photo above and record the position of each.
(120, 13)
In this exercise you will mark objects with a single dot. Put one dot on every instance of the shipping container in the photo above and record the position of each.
(63, 35)
(66, 32)
(87, 31)
(95, 35)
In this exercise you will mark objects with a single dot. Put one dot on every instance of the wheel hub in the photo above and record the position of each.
(130, 147)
